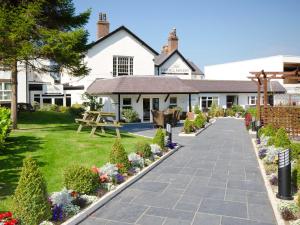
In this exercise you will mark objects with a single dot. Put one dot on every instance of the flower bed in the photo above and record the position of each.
(269, 144)
(194, 127)
(88, 189)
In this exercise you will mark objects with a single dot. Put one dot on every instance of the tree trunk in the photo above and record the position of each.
(14, 94)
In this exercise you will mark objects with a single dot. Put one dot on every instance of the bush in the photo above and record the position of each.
(268, 131)
(296, 175)
(80, 179)
(5, 123)
(197, 109)
(118, 156)
(238, 109)
(159, 138)
(76, 110)
(30, 201)
(199, 121)
(295, 150)
(188, 126)
(251, 111)
(144, 149)
(288, 210)
(229, 112)
(63, 109)
(281, 139)
(130, 115)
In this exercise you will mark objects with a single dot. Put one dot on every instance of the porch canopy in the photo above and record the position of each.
(141, 85)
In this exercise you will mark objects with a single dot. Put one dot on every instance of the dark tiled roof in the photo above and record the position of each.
(128, 31)
(140, 84)
(197, 69)
(232, 86)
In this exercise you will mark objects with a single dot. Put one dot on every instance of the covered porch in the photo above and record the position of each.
(143, 94)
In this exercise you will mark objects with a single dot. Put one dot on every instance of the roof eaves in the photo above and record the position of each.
(128, 31)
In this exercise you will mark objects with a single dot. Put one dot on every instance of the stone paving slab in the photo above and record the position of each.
(213, 180)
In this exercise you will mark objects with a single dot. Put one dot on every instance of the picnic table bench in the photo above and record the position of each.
(97, 119)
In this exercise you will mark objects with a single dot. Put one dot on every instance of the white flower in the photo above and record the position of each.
(89, 198)
(43, 223)
(136, 160)
(109, 169)
(155, 148)
(61, 198)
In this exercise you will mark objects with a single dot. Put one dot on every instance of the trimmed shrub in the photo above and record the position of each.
(80, 179)
(197, 109)
(229, 112)
(30, 201)
(144, 149)
(5, 123)
(295, 150)
(118, 156)
(268, 131)
(238, 109)
(130, 115)
(188, 126)
(296, 175)
(281, 139)
(271, 141)
(63, 109)
(159, 138)
(199, 121)
(76, 110)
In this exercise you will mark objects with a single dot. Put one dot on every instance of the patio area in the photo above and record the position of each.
(213, 180)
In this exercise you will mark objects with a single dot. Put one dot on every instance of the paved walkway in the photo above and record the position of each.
(213, 180)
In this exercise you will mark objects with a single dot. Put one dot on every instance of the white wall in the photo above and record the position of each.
(240, 70)
(175, 66)
(100, 58)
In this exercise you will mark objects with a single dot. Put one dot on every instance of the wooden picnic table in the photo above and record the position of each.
(97, 119)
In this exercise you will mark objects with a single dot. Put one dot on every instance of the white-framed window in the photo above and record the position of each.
(122, 65)
(207, 101)
(126, 103)
(5, 91)
(173, 102)
(252, 100)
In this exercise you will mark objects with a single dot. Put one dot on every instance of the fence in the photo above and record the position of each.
(284, 116)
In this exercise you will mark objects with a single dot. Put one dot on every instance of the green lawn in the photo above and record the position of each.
(52, 140)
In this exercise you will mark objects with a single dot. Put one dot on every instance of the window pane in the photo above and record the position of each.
(68, 102)
(58, 101)
(155, 103)
(173, 100)
(7, 86)
(7, 95)
(126, 101)
(47, 100)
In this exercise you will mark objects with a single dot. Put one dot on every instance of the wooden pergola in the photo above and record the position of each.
(262, 78)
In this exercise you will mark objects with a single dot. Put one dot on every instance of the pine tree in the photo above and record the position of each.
(30, 204)
(119, 156)
(37, 32)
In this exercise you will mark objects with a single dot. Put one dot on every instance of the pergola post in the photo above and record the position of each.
(258, 117)
(265, 95)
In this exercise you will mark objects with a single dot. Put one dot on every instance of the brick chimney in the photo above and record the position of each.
(102, 26)
(172, 41)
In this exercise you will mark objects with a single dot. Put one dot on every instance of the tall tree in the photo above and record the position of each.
(45, 35)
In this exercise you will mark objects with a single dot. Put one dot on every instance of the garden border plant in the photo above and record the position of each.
(73, 205)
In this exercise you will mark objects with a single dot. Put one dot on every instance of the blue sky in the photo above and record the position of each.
(210, 31)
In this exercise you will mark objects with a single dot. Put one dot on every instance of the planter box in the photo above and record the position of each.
(108, 196)
(182, 134)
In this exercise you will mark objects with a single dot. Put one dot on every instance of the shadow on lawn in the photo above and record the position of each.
(11, 161)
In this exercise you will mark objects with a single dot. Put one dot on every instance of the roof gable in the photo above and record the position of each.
(123, 28)
(160, 60)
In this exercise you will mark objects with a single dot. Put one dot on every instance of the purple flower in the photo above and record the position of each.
(57, 213)
(262, 153)
(258, 141)
(118, 179)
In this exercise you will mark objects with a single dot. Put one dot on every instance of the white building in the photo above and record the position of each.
(240, 71)
(120, 57)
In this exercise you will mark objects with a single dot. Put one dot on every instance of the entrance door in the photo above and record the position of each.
(231, 100)
(146, 109)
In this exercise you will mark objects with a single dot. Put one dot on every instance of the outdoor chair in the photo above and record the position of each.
(158, 118)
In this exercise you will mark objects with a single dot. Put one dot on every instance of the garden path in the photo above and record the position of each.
(213, 180)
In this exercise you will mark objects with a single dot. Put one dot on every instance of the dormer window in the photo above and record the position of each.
(122, 65)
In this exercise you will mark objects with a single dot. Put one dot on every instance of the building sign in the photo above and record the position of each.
(175, 69)
(51, 89)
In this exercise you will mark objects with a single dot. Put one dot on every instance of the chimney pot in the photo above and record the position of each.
(102, 26)
(172, 41)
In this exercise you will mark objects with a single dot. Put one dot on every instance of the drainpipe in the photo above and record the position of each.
(119, 107)
(190, 102)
